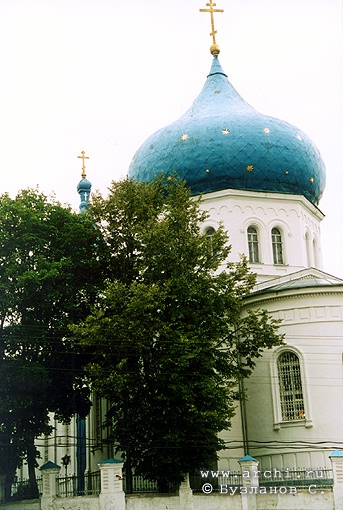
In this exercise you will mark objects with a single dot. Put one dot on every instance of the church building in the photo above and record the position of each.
(262, 178)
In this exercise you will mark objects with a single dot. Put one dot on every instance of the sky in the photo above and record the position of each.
(102, 75)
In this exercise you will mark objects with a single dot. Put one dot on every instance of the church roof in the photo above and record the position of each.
(222, 142)
(305, 279)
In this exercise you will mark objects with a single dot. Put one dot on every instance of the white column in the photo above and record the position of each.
(250, 478)
(112, 496)
(186, 495)
(50, 471)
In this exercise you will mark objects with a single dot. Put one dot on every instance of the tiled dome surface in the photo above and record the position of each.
(221, 142)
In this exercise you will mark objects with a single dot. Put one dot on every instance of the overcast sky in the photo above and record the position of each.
(102, 75)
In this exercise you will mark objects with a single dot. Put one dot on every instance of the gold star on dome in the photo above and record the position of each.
(266, 131)
(226, 131)
(250, 168)
(184, 137)
(299, 138)
(311, 180)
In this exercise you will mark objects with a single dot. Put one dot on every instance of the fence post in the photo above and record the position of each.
(336, 458)
(186, 495)
(50, 472)
(250, 481)
(112, 496)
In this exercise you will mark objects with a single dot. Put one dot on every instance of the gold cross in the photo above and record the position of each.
(83, 157)
(211, 9)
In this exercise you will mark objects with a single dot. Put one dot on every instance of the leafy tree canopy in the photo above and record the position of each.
(49, 266)
(168, 335)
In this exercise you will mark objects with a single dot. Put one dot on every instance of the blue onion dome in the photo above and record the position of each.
(222, 142)
(84, 190)
(84, 185)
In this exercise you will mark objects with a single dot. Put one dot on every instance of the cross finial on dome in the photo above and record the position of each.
(83, 157)
(214, 48)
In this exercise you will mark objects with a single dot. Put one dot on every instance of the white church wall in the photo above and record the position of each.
(297, 219)
(228, 458)
(313, 325)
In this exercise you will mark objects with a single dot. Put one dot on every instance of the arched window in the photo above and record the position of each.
(290, 387)
(209, 231)
(253, 245)
(277, 246)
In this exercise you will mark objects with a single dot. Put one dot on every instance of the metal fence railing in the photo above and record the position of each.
(70, 486)
(89, 485)
(230, 478)
(300, 478)
(138, 484)
(21, 489)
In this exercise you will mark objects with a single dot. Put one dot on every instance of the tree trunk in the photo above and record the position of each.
(31, 465)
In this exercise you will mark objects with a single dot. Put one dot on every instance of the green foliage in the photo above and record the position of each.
(48, 270)
(167, 336)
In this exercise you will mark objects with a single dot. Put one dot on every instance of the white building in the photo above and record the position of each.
(263, 179)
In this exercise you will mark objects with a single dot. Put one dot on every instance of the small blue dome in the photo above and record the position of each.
(84, 185)
(222, 142)
(84, 190)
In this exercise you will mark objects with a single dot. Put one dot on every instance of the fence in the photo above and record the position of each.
(300, 478)
(21, 489)
(264, 489)
(231, 478)
(70, 486)
(138, 484)
(90, 485)
(66, 487)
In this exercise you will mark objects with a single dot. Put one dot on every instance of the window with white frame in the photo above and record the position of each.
(253, 245)
(290, 387)
(277, 246)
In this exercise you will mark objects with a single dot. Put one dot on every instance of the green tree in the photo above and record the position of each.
(49, 269)
(168, 337)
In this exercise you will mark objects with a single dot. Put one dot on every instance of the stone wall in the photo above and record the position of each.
(22, 505)
(301, 501)
(152, 502)
(78, 503)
